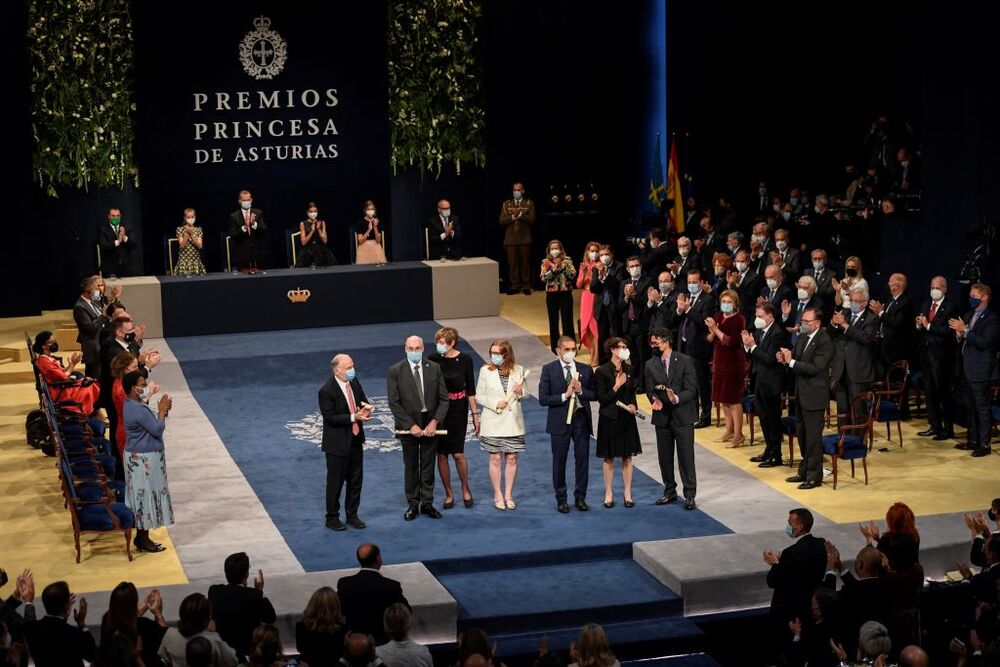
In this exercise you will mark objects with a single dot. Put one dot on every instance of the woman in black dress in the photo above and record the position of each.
(617, 432)
(313, 237)
(456, 368)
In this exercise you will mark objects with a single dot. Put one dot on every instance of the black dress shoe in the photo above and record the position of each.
(927, 433)
(511, 292)
(335, 524)
(355, 522)
(150, 547)
(982, 451)
(966, 446)
(411, 513)
(689, 504)
(666, 500)
(703, 423)
(430, 511)
(469, 502)
(526, 292)
(610, 504)
(771, 463)
(795, 479)
(563, 507)
(581, 505)
(758, 459)
(810, 485)
(629, 503)
(448, 504)
(945, 435)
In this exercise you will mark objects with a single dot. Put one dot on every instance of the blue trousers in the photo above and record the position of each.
(579, 436)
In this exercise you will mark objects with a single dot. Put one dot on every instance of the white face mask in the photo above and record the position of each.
(555, 252)
(625, 354)
(189, 221)
(760, 323)
(246, 205)
(517, 195)
(683, 251)
(568, 357)
(781, 245)
(936, 295)
(742, 266)
(95, 295)
(635, 271)
(445, 212)
(312, 215)
(592, 256)
(606, 260)
(666, 288)
(803, 295)
(144, 394)
(370, 213)
(772, 283)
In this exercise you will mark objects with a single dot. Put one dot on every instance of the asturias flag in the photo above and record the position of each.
(676, 213)
(656, 188)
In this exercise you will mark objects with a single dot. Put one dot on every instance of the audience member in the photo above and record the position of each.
(558, 275)
(789, 259)
(854, 330)
(617, 432)
(593, 649)
(475, 643)
(632, 305)
(116, 246)
(123, 364)
(796, 572)
(365, 596)
(812, 643)
(313, 240)
(822, 275)
(51, 639)
(936, 345)
(853, 280)
(195, 621)
(80, 394)
(237, 608)
(319, 635)
(444, 233)
(693, 308)
(88, 313)
(265, 647)
(605, 284)
(978, 334)
(400, 650)
(746, 283)
(199, 652)
(368, 237)
(359, 651)
(686, 260)
(729, 366)
(895, 328)
(126, 617)
(866, 594)
(589, 334)
(768, 375)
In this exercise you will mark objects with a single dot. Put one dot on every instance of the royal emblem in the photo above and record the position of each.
(263, 52)
(298, 295)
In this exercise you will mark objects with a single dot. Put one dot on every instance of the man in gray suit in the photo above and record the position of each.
(810, 363)
(855, 334)
(418, 399)
(672, 389)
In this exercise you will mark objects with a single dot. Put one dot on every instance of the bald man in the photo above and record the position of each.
(443, 234)
(896, 330)
(364, 597)
(345, 409)
(418, 399)
(936, 349)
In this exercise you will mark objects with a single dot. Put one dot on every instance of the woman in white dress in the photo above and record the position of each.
(499, 392)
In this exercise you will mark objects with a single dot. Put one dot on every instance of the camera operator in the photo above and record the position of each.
(660, 253)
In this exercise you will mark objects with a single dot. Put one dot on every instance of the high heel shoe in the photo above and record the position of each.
(629, 503)
(736, 443)
(500, 505)
(725, 437)
(448, 504)
(609, 503)
(468, 501)
(151, 547)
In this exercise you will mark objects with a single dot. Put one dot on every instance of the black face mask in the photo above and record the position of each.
(850, 272)
(53, 347)
(991, 514)
(130, 337)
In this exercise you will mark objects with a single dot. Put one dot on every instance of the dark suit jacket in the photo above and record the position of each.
(984, 584)
(242, 243)
(714, 241)
(784, 292)
(551, 388)
(639, 300)
(896, 328)
(824, 288)
(682, 381)
(89, 324)
(695, 316)
(55, 643)
(404, 400)
(796, 576)
(979, 347)
(611, 285)
(792, 264)
(748, 290)
(862, 600)
(656, 260)
(812, 370)
(604, 382)
(767, 372)
(116, 259)
(936, 344)
(337, 435)
(664, 313)
(685, 264)
(448, 247)
(364, 597)
(793, 319)
(856, 347)
(237, 610)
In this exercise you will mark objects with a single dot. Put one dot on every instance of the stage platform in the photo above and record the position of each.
(223, 303)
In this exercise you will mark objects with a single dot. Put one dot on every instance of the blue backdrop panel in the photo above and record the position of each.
(338, 295)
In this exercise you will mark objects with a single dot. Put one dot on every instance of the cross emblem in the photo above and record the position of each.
(263, 52)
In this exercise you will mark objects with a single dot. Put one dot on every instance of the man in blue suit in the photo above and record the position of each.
(978, 333)
(564, 383)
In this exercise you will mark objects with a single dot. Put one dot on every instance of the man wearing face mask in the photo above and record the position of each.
(763, 201)
(116, 246)
(981, 532)
(661, 302)
(761, 246)
(418, 398)
(895, 326)
(789, 258)
(566, 385)
(444, 233)
(632, 305)
(775, 290)
(656, 260)
(823, 276)
(746, 283)
(710, 242)
(791, 311)
(978, 336)
(768, 376)
(605, 283)
(936, 349)
(88, 313)
(517, 216)
(345, 409)
(855, 334)
(247, 236)
(686, 259)
(693, 307)
(795, 573)
(124, 338)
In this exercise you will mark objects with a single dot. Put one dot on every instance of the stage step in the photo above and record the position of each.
(691, 660)
(16, 372)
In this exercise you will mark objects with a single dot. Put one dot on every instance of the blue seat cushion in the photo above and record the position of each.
(788, 425)
(91, 490)
(93, 517)
(887, 411)
(995, 412)
(917, 379)
(854, 446)
(748, 403)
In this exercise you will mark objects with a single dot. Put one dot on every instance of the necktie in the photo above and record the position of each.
(934, 308)
(569, 378)
(798, 316)
(774, 292)
(666, 367)
(355, 427)
(631, 306)
(854, 320)
(246, 217)
(420, 387)
(819, 275)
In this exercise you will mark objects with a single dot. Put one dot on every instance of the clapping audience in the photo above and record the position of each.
(236, 608)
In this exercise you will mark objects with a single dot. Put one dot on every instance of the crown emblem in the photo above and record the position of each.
(263, 52)
(299, 295)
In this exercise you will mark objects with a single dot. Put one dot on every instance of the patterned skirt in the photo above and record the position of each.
(146, 492)
(502, 445)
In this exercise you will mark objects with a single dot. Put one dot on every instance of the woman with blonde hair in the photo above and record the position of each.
(729, 364)
(853, 279)
(319, 636)
(588, 323)
(558, 275)
(499, 393)
(593, 649)
(368, 233)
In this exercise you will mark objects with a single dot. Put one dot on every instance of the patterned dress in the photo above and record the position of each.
(146, 491)
(189, 257)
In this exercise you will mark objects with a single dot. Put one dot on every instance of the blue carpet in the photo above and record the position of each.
(259, 391)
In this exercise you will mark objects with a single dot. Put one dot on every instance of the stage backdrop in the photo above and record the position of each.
(287, 100)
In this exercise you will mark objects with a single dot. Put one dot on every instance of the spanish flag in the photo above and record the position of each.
(676, 213)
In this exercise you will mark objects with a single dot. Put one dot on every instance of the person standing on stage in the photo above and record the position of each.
(728, 364)
(444, 234)
(762, 347)
(617, 432)
(810, 362)
(418, 399)
(978, 335)
(460, 379)
(313, 238)
(588, 321)
(567, 384)
(345, 409)
(368, 234)
(558, 274)
(189, 242)
(247, 235)
(116, 246)
(500, 391)
(517, 215)
(88, 313)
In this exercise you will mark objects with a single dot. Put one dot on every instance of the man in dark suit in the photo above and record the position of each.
(345, 409)
(116, 246)
(660, 252)
(565, 384)
(768, 375)
(605, 284)
(796, 573)
(444, 233)
(672, 389)
(746, 283)
(236, 608)
(89, 317)
(936, 350)
(855, 335)
(895, 325)
(866, 594)
(978, 333)
(247, 235)
(789, 259)
(791, 311)
(761, 246)
(365, 596)
(51, 639)
(775, 289)
(686, 259)
(693, 308)
(661, 301)
(822, 275)
(710, 242)
(418, 399)
(810, 363)
(632, 302)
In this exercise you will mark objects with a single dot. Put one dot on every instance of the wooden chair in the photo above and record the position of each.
(889, 397)
(850, 440)
(789, 423)
(293, 246)
(102, 515)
